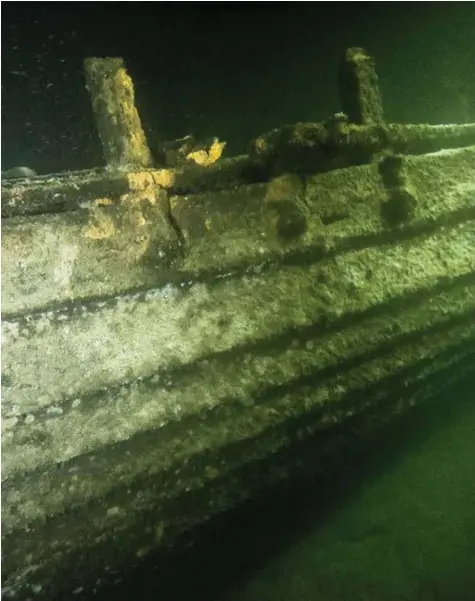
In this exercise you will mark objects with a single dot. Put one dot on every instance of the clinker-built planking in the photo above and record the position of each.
(177, 340)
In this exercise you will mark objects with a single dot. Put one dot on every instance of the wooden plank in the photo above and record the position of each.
(90, 345)
(137, 243)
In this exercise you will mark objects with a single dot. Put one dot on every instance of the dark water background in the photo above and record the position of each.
(395, 520)
(228, 69)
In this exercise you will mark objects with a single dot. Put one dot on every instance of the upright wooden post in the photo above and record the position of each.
(359, 88)
(118, 122)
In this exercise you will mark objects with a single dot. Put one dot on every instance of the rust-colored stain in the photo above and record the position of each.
(103, 202)
(205, 158)
(140, 181)
(138, 148)
(143, 180)
(100, 226)
(164, 177)
(128, 218)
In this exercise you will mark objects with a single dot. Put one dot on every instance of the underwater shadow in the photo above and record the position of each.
(233, 546)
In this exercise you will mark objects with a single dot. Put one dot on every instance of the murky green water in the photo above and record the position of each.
(406, 532)
(395, 522)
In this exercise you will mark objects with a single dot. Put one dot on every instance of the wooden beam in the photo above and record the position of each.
(359, 88)
(118, 122)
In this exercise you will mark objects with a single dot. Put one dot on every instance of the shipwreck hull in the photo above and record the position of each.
(176, 342)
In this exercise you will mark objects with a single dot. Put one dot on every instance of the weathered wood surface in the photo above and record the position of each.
(154, 372)
(177, 340)
(149, 236)
(117, 120)
(306, 148)
(360, 96)
(69, 191)
(336, 143)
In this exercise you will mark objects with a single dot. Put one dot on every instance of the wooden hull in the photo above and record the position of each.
(150, 383)
(178, 340)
